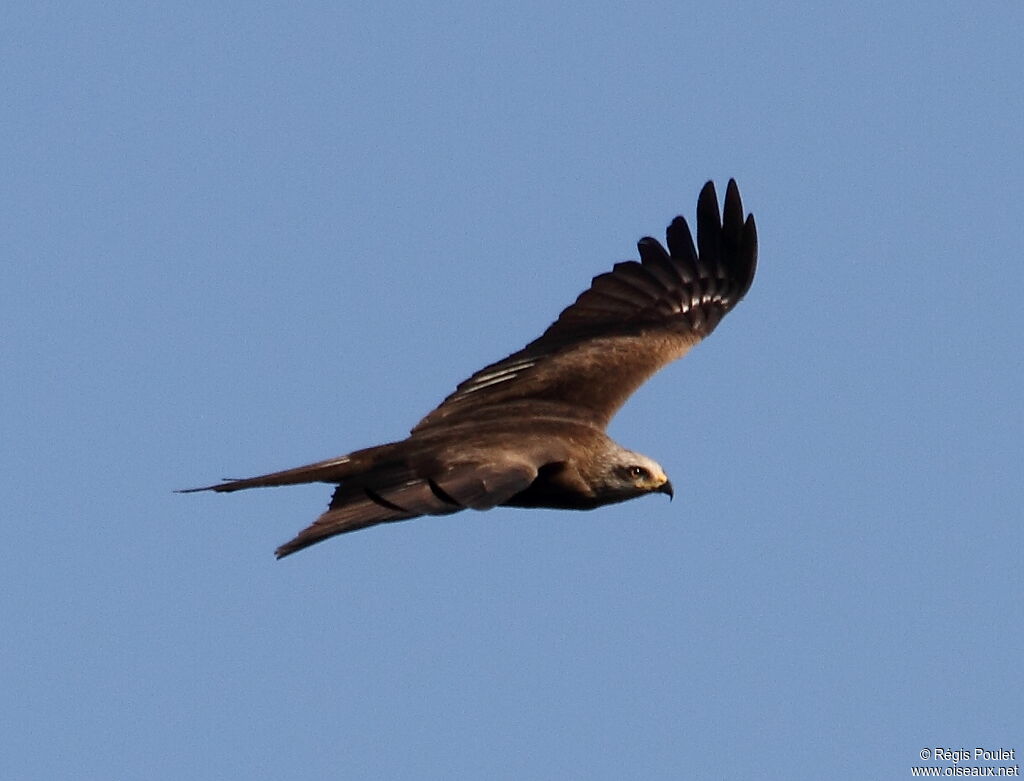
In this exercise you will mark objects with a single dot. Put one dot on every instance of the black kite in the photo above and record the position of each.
(528, 431)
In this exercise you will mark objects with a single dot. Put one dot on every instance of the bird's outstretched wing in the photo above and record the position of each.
(382, 498)
(631, 322)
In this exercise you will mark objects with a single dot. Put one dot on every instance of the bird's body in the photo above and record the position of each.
(528, 431)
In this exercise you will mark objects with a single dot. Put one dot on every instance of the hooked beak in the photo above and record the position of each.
(666, 488)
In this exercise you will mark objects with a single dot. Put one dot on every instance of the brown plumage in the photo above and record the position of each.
(528, 431)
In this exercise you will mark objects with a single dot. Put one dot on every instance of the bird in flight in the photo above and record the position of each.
(529, 430)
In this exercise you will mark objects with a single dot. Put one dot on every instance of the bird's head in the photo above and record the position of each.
(628, 474)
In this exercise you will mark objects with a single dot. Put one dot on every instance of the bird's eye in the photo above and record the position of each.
(637, 472)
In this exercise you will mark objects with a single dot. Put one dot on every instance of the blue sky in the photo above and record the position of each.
(244, 237)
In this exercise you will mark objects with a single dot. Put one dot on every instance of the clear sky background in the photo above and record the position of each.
(244, 237)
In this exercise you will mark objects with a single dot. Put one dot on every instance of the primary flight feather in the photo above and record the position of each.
(528, 431)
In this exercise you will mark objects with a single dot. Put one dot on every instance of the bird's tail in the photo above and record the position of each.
(333, 470)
